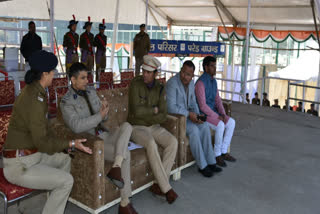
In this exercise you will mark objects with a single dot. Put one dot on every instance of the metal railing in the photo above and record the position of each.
(295, 83)
(303, 100)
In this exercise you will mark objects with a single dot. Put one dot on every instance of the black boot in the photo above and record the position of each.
(206, 172)
(214, 168)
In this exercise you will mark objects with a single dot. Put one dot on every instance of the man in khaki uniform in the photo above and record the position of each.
(147, 110)
(33, 156)
(70, 44)
(141, 47)
(86, 46)
(83, 111)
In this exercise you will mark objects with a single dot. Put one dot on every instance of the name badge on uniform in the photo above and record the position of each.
(40, 99)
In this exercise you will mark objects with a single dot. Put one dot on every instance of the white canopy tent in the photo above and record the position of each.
(305, 68)
(284, 14)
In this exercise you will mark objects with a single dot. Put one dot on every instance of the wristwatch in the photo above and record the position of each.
(73, 146)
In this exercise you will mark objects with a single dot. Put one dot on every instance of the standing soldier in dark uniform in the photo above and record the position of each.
(256, 100)
(141, 47)
(70, 43)
(247, 98)
(285, 106)
(276, 104)
(86, 46)
(300, 107)
(312, 110)
(100, 41)
(265, 101)
(31, 42)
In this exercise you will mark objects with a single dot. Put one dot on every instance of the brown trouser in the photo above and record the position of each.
(139, 62)
(150, 138)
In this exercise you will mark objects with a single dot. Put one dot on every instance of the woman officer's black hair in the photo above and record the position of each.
(31, 76)
(76, 68)
(40, 61)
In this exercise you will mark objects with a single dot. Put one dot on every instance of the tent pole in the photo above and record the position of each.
(52, 25)
(231, 43)
(317, 97)
(244, 86)
(115, 31)
(232, 73)
(147, 10)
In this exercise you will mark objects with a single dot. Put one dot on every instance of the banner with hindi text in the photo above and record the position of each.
(176, 48)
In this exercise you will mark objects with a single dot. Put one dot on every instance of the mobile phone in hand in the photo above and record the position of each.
(202, 117)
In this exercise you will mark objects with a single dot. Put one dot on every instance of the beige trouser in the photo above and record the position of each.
(43, 172)
(116, 144)
(149, 138)
(139, 62)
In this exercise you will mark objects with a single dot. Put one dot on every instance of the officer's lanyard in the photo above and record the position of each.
(101, 40)
(88, 43)
(73, 41)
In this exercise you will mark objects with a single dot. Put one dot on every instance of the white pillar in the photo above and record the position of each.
(147, 10)
(244, 87)
(52, 25)
(115, 31)
(318, 90)
(233, 84)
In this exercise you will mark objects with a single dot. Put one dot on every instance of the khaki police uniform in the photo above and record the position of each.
(77, 116)
(146, 129)
(141, 47)
(46, 168)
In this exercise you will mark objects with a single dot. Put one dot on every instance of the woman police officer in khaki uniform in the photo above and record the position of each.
(33, 157)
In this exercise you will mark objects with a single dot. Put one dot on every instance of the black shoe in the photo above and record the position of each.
(214, 168)
(206, 172)
(228, 157)
(220, 161)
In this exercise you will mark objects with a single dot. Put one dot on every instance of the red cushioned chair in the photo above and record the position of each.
(122, 84)
(4, 123)
(22, 84)
(106, 80)
(90, 78)
(60, 92)
(126, 78)
(56, 83)
(8, 191)
(126, 75)
(7, 95)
